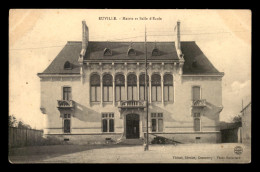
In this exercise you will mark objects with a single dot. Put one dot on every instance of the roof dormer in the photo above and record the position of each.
(131, 50)
(155, 51)
(67, 65)
(107, 52)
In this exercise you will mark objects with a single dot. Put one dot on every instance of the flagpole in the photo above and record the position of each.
(146, 97)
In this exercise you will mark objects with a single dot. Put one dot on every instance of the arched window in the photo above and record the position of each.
(131, 52)
(168, 87)
(107, 88)
(196, 93)
(155, 52)
(67, 65)
(156, 87)
(142, 86)
(120, 87)
(95, 88)
(107, 52)
(132, 87)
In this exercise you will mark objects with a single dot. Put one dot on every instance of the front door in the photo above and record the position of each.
(132, 126)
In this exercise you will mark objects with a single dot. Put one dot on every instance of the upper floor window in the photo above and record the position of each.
(168, 87)
(120, 87)
(107, 52)
(95, 88)
(157, 122)
(142, 92)
(66, 93)
(131, 52)
(155, 52)
(108, 122)
(196, 94)
(156, 87)
(67, 65)
(107, 88)
(131, 87)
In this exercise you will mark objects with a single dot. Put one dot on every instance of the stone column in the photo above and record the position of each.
(114, 90)
(162, 83)
(137, 76)
(101, 91)
(150, 88)
(126, 94)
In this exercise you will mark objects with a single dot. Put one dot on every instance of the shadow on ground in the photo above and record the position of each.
(36, 154)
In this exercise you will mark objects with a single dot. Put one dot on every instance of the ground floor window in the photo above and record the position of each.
(108, 122)
(157, 122)
(66, 123)
(197, 122)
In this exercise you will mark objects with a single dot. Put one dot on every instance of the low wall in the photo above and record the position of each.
(105, 138)
(205, 137)
(82, 139)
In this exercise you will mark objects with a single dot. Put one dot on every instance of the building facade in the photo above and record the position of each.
(95, 91)
(246, 124)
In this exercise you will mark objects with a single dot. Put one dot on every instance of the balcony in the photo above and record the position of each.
(132, 104)
(199, 103)
(66, 104)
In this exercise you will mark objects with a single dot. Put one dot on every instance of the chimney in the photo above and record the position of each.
(178, 39)
(85, 35)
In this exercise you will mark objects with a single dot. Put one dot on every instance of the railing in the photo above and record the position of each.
(199, 103)
(65, 103)
(132, 103)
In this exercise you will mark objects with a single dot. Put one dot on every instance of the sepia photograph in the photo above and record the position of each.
(129, 86)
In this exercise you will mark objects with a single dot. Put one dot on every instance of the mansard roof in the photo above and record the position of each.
(195, 60)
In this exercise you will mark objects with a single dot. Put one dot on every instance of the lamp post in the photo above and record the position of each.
(146, 148)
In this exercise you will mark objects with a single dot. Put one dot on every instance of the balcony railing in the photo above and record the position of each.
(132, 104)
(199, 103)
(66, 103)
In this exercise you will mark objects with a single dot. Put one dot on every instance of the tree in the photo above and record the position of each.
(12, 121)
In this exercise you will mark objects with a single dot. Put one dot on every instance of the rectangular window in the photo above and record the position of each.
(154, 93)
(159, 93)
(66, 123)
(160, 125)
(142, 92)
(123, 95)
(153, 125)
(197, 124)
(118, 93)
(66, 93)
(130, 93)
(168, 93)
(95, 93)
(196, 93)
(134, 93)
(110, 94)
(157, 122)
(171, 93)
(108, 122)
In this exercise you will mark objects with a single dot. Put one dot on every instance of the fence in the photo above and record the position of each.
(19, 137)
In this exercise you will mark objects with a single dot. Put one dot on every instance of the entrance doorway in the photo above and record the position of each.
(132, 126)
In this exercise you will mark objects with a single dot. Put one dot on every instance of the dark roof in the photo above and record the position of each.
(70, 53)
(195, 60)
(95, 50)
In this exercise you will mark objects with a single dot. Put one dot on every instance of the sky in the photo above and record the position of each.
(36, 36)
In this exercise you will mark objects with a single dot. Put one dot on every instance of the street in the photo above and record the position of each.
(183, 153)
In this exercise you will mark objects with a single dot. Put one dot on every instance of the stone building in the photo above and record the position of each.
(95, 91)
(246, 124)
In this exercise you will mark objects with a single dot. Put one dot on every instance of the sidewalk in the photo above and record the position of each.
(186, 153)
